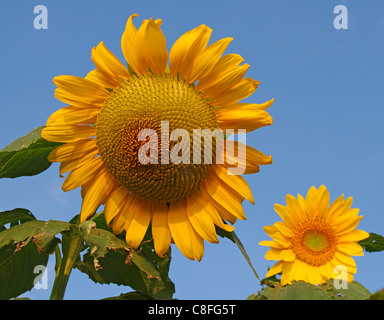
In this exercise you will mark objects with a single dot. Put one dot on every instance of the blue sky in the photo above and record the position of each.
(327, 129)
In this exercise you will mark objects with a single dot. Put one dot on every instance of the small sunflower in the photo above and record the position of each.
(109, 109)
(314, 238)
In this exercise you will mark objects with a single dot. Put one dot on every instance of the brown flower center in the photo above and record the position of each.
(138, 129)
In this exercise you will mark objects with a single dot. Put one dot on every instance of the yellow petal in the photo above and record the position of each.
(277, 236)
(246, 106)
(250, 160)
(338, 208)
(214, 214)
(160, 230)
(179, 226)
(287, 273)
(327, 271)
(345, 259)
(242, 118)
(224, 213)
(72, 150)
(200, 220)
(236, 182)
(300, 270)
(139, 223)
(312, 202)
(186, 49)
(73, 164)
(101, 186)
(242, 90)
(286, 214)
(186, 238)
(151, 48)
(225, 81)
(101, 80)
(277, 268)
(80, 92)
(197, 244)
(294, 206)
(73, 115)
(128, 44)
(68, 133)
(247, 121)
(338, 266)
(228, 62)
(284, 229)
(158, 22)
(118, 223)
(225, 197)
(273, 254)
(82, 174)
(124, 216)
(108, 64)
(317, 202)
(342, 217)
(314, 276)
(350, 277)
(287, 255)
(208, 58)
(272, 244)
(351, 248)
(323, 201)
(115, 202)
(334, 207)
(355, 235)
(347, 225)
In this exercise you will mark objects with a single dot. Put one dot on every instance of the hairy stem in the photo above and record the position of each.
(70, 254)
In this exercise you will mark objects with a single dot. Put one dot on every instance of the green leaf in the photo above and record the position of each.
(15, 217)
(136, 295)
(233, 237)
(254, 296)
(17, 266)
(354, 291)
(26, 156)
(101, 241)
(378, 295)
(165, 288)
(374, 243)
(24, 246)
(111, 260)
(24, 141)
(41, 233)
(300, 290)
(17, 269)
(269, 281)
(225, 234)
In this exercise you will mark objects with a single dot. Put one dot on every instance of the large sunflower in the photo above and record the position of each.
(315, 240)
(112, 105)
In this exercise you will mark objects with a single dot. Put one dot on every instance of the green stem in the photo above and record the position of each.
(58, 259)
(69, 258)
